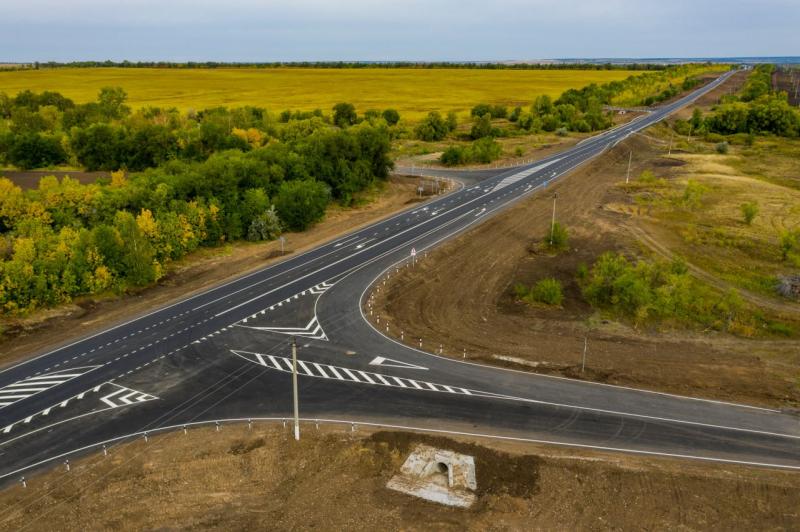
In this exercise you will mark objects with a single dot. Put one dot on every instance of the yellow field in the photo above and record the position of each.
(413, 92)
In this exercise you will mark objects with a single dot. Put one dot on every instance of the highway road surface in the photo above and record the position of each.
(223, 355)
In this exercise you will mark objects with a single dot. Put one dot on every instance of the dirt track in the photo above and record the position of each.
(333, 480)
(461, 296)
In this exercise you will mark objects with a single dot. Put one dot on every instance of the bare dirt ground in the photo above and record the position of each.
(200, 271)
(461, 297)
(30, 179)
(261, 479)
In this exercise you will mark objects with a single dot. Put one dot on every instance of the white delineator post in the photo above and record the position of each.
(294, 391)
(553, 223)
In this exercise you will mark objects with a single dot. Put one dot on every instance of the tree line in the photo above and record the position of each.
(353, 64)
(202, 179)
(756, 109)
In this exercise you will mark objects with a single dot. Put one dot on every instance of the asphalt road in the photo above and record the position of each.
(222, 355)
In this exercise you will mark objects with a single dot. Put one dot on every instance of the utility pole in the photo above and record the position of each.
(628, 174)
(553, 223)
(294, 391)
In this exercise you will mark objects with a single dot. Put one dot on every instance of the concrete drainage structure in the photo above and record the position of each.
(438, 476)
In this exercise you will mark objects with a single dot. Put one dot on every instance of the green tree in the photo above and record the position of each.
(265, 226)
(344, 114)
(111, 102)
(391, 116)
(482, 127)
(433, 127)
(34, 150)
(301, 203)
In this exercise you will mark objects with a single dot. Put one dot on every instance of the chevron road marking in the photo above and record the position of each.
(123, 396)
(313, 330)
(32, 385)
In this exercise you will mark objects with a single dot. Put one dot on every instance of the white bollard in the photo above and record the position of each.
(184, 430)
(145, 437)
(24, 483)
(249, 424)
(66, 463)
(105, 451)
(217, 422)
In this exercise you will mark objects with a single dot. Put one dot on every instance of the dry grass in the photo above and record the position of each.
(263, 480)
(413, 92)
(715, 236)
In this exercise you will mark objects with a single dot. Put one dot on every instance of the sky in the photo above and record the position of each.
(379, 30)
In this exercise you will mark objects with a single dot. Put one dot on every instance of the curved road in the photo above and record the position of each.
(222, 355)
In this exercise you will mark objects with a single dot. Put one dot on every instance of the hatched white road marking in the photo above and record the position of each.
(327, 371)
(118, 397)
(510, 180)
(23, 389)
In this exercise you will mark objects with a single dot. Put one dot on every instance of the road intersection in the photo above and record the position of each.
(222, 355)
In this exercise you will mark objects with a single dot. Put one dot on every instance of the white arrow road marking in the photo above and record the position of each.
(391, 363)
(284, 365)
(23, 389)
(327, 371)
(313, 330)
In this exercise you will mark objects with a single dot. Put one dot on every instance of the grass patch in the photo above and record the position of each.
(546, 292)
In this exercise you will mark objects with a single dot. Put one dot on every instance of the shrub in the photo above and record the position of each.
(344, 114)
(266, 226)
(790, 246)
(646, 291)
(749, 211)
(547, 291)
(391, 116)
(692, 197)
(647, 177)
(557, 239)
(561, 132)
(722, 147)
(482, 127)
(483, 151)
(433, 127)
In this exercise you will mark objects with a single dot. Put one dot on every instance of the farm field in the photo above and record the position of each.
(413, 92)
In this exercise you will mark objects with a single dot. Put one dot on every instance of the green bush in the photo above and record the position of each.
(482, 151)
(749, 211)
(722, 147)
(664, 292)
(557, 239)
(547, 291)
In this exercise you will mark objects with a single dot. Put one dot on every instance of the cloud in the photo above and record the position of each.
(249, 30)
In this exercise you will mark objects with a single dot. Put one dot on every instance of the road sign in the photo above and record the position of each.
(413, 252)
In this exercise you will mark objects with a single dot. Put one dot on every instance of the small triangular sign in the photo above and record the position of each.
(391, 363)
